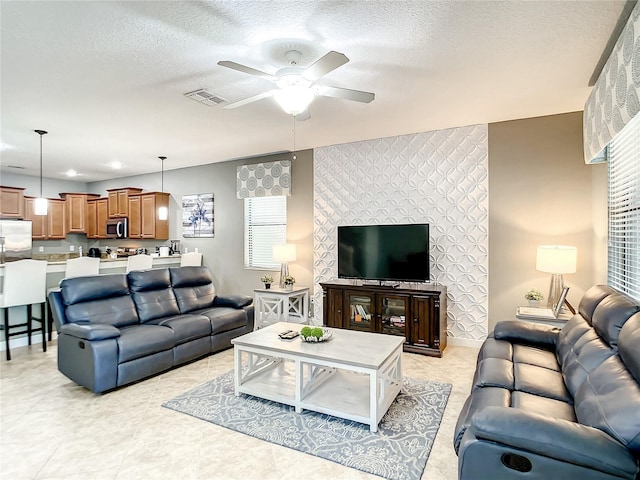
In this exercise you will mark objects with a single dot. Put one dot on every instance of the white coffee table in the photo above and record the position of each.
(355, 375)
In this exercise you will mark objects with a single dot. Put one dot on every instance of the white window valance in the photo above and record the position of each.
(615, 98)
(264, 179)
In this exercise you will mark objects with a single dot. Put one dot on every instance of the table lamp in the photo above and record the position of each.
(557, 260)
(284, 253)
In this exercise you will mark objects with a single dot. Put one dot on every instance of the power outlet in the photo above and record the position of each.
(72, 248)
(40, 249)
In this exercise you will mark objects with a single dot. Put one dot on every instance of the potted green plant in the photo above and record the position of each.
(533, 296)
(267, 280)
(288, 281)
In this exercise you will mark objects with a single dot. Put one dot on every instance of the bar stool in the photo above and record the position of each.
(75, 267)
(139, 262)
(25, 283)
(191, 259)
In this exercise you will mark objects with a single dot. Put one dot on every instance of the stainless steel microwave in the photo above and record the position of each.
(118, 228)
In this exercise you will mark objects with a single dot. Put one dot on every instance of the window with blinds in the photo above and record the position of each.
(265, 225)
(624, 210)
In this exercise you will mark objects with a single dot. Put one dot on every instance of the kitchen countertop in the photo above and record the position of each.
(56, 266)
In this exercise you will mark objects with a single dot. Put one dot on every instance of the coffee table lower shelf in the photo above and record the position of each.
(350, 392)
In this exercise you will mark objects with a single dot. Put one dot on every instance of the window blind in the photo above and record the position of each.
(265, 225)
(624, 210)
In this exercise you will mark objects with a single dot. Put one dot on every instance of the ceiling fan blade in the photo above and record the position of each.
(245, 69)
(255, 98)
(324, 65)
(345, 93)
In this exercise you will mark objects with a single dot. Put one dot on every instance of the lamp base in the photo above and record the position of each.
(284, 271)
(555, 290)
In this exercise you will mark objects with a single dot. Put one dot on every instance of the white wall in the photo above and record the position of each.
(436, 177)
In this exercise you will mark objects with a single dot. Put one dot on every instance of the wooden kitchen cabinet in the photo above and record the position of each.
(97, 214)
(119, 201)
(76, 211)
(135, 217)
(150, 225)
(11, 202)
(51, 226)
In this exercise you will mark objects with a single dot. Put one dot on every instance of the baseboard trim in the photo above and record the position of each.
(17, 342)
(464, 342)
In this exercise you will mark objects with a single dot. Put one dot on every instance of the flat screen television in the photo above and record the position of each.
(384, 252)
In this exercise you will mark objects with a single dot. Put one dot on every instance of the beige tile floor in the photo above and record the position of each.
(53, 429)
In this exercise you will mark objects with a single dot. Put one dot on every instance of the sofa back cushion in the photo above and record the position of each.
(629, 346)
(608, 400)
(611, 314)
(152, 294)
(99, 299)
(193, 287)
(591, 299)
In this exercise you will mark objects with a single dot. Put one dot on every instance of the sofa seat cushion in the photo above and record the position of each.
(141, 340)
(186, 327)
(224, 319)
(535, 356)
(543, 405)
(479, 399)
(540, 381)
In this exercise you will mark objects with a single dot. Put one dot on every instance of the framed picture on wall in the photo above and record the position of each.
(197, 215)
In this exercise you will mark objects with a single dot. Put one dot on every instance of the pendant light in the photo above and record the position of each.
(163, 212)
(41, 203)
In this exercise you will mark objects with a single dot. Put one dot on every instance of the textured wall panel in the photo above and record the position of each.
(437, 177)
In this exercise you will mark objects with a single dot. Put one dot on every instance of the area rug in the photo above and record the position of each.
(398, 450)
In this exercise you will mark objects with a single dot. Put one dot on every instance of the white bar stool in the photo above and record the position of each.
(139, 262)
(191, 259)
(25, 283)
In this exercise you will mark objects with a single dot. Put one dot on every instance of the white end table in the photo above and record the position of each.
(281, 305)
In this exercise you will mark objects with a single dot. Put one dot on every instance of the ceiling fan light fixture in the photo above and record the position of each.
(294, 99)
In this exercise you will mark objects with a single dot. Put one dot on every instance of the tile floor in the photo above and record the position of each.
(50, 428)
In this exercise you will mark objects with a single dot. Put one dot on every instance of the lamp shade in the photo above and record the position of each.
(558, 259)
(284, 253)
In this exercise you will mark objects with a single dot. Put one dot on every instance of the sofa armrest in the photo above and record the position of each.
(233, 301)
(537, 334)
(555, 438)
(90, 331)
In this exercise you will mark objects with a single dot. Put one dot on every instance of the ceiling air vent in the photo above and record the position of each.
(202, 96)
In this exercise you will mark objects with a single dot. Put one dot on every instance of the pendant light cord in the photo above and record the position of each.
(41, 133)
(162, 173)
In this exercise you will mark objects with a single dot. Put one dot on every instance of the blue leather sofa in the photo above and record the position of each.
(120, 328)
(557, 404)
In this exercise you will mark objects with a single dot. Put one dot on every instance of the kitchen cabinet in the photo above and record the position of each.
(119, 201)
(135, 217)
(76, 211)
(417, 314)
(51, 226)
(97, 214)
(11, 202)
(150, 225)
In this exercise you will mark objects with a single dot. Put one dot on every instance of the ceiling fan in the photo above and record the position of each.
(296, 87)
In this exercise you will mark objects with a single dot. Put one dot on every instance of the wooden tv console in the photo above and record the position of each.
(419, 314)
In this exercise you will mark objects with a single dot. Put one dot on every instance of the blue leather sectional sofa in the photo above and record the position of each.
(557, 404)
(120, 328)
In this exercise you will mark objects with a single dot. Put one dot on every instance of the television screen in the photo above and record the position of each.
(384, 252)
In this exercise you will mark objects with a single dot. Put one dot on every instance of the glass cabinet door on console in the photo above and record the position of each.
(392, 314)
(360, 307)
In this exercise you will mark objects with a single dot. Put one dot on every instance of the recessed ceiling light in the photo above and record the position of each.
(71, 173)
(116, 165)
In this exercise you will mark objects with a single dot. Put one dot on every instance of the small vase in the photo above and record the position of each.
(267, 286)
(288, 286)
(534, 303)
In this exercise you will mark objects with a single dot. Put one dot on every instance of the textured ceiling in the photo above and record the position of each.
(107, 79)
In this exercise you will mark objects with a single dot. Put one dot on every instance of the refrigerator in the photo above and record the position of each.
(15, 240)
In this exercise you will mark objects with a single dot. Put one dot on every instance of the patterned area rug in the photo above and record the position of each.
(398, 450)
